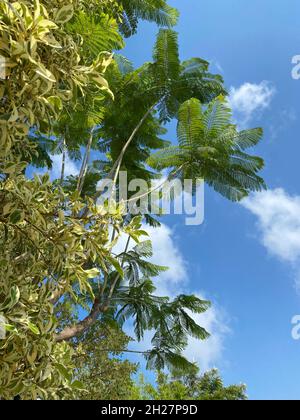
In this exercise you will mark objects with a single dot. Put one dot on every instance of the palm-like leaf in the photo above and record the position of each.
(211, 147)
(166, 57)
(196, 79)
(176, 82)
(172, 321)
(97, 33)
(157, 11)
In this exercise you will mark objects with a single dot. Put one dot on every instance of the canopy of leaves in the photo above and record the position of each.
(100, 365)
(192, 386)
(61, 93)
(157, 11)
(155, 90)
(210, 147)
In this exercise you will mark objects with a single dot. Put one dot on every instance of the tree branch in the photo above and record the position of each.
(84, 165)
(113, 174)
(70, 332)
(158, 187)
(116, 168)
(63, 164)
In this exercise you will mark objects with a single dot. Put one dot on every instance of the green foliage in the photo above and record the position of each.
(189, 386)
(210, 147)
(157, 90)
(62, 284)
(157, 11)
(42, 254)
(97, 33)
(51, 253)
(99, 364)
(42, 68)
(166, 57)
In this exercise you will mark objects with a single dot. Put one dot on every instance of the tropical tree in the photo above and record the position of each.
(189, 386)
(157, 11)
(210, 147)
(63, 277)
(100, 364)
(51, 251)
(40, 74)
(129, 126)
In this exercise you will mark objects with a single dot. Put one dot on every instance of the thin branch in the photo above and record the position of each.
(113, 286)
(63, 164)
(114, 173)
(116, 168)
(158, 187)
(125, 251)
(84, 166)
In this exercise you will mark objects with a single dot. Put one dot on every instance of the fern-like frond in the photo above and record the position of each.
(211, 148)
(166, 58)
(190, 124)
(166, 158)
(125, 66)
(97, 34)
(248, 138)
(129, 23)
(247, 162)
(216, 117)
(157, 11)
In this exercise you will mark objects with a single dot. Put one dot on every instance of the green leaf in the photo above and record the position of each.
(16, 217)
(10, 328)
(33, 328)
(78, 385)
(64, 372)
(115, 263)
(64, 14)
(44, 73)
(56, 102)
(14, 296)
(92, 273)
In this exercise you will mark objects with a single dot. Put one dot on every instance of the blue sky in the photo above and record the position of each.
(246, 258)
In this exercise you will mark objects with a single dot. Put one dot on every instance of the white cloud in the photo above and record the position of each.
(207, 353)
(278, 215)
(166, 253)
(250, 99)
(175, 281)
(70, 167)
(279, 222)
